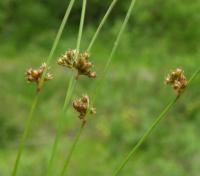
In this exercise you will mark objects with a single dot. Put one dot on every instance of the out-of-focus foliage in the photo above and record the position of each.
(175, 19)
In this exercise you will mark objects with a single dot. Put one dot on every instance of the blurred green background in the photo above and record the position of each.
(161, 35)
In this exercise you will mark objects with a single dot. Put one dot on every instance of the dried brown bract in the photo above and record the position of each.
(82, 106)
(35, 75)
(177, 80)
(78, 61)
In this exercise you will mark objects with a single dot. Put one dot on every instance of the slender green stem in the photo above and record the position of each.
(69, 92)
(72, 150)
(147, 133)
(101, 24)
(81, 26)
(70, 88)
(35, 101)
(116, 43)
(109, 60)
(152, 127)
(24, 135)
(195, 74)
(57, 39)
(60, 123)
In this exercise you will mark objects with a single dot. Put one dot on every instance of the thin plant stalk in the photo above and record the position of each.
(161, 116)
(113, 51)
(57, 39)
(72, 86)
(72, 150)
(68, 94)
(24, 135)
(35, 101)
(60, 123)
(104, 73)
(101, 24)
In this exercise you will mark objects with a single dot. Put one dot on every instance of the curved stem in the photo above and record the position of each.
(72, 150)
(152, 127)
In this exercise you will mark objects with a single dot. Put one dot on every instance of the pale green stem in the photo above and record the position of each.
(57, 39)
(60, 123)
(101, 24)
(24, 135)
(67, 161)
(68, 95)
(29, 119)
(116, 43)
(108, 62)
(152, 127)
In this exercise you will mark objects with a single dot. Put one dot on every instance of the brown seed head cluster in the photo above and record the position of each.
(78, 61)
(177, 80)
(67, 59)
(82, 106)
(34, 75)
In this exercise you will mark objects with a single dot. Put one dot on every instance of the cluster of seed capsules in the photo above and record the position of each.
(72, 59)
(177, 80)
(80, 61)
(35, 75)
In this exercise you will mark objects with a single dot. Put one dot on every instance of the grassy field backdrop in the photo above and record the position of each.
(132, 96)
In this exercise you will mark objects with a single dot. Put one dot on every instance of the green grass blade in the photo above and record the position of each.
(152, 127)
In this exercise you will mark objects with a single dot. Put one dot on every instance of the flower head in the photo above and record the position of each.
(82, 106)
(35, 75)
(177, 80)
(78, 61)
(83, 65)
(67, 59)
